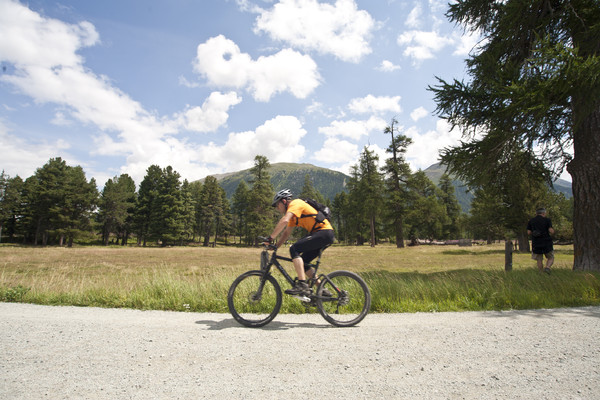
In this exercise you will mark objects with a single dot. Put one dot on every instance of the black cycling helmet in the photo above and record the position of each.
(282, 194)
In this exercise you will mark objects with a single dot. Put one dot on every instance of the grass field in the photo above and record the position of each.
(423, 278)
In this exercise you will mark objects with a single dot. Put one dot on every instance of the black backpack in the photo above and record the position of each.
(323, 212)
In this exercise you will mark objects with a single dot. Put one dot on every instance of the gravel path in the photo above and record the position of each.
(93, 353)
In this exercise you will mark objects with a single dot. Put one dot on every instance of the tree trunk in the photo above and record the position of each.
(373, 232)
(206, 239)
(523, 241)
(399, 233)
(585, 171)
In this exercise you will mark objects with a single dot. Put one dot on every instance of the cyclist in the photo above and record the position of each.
(299, 213)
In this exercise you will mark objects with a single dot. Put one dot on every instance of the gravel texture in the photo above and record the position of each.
(92, 353)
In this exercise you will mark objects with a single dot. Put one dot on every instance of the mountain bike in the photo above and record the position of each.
(255, 297)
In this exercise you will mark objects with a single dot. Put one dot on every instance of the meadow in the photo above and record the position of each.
(413, 279)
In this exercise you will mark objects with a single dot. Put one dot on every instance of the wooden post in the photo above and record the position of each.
(508, 251)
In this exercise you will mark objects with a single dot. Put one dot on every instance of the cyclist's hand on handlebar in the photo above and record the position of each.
(268, 242)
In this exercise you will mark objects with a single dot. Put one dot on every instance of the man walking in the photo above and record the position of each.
(540, 229)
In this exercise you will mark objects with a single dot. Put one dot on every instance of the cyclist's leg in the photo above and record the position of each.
(308, 247)
(304, 251)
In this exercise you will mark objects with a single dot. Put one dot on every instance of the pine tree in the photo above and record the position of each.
(195, 191)
(448, 199)
(239, 209)
(147, 210)
(397, 173)
(366, 190)
(170, 226)
(116, 207)
(260, 213)
(212, 208)
(188, 212)
(309, 191)
(534, 86)
(10, 202)
(59, 202)
(427, 215)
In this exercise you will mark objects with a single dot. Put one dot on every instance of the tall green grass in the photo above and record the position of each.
(420, 279)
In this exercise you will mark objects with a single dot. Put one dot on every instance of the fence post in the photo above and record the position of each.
(508, 252)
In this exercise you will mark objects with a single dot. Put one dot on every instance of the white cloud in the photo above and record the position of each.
(422, 45)
(278, 139)
(20, 157)
(337, 151)
(61, 119)
(426, 147)
(43, 53)
(388, 66)
(467, 43)
(183, 81)
(354, 129)
(375, 105)
(212, 115)
(27, 39)
(418, 113)
(222, 63)
(413, 20)
(339, 29)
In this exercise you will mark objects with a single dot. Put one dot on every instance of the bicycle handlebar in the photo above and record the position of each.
(269, 246)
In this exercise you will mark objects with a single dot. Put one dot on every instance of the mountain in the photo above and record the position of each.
(329, 182)
(464, 196)
(290, 176)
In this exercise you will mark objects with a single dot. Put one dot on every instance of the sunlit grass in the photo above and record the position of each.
(424, 278)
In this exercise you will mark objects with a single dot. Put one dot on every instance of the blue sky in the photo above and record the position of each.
(206, 85)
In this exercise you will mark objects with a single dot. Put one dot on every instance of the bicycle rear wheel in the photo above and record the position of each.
(350, 301)
(253, 300)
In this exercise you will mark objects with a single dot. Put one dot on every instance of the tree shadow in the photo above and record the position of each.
(547, 313)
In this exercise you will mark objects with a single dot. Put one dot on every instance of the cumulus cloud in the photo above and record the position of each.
(354, 129)
(278, 139)
(46, 66)
(413, 20)
(422, 45)
(375, 104)
(211, 115)
(466, 43)
(418, 113)
(20, 157)
(339, 29)
(337, 151)
(222, 63)
(426, 146)
(388, 66)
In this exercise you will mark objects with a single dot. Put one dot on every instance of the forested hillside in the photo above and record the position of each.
(57, 205)
(329, 182)
(464, 196)
(290, 176)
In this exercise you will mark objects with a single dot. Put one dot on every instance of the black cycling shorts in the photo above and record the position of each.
(309, 246)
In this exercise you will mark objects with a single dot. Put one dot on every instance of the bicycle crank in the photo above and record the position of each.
(303, 298)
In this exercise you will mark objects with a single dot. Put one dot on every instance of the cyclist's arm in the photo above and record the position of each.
(281, 225)
(285, 235)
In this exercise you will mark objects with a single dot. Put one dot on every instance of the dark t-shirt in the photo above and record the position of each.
(541, 241)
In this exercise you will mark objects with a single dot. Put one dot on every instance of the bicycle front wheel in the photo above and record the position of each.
(350, 301)
(253, 299)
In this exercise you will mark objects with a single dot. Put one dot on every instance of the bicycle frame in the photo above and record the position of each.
(274, 261)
